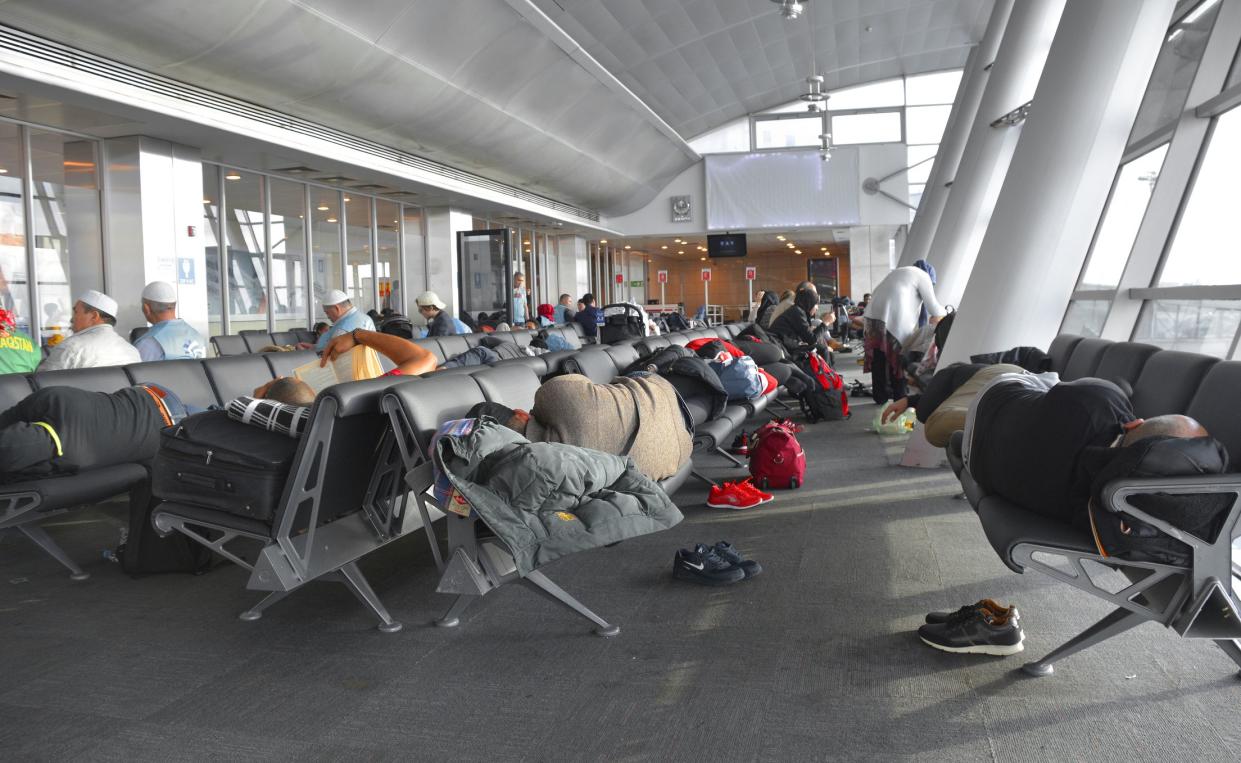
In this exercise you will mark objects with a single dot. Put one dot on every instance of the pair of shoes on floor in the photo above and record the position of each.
(737, 495)
(985, 627)
(716, 565)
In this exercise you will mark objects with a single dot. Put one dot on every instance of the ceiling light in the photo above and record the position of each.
(790, 245)
(823, 249)
(331, 219)
(704, 259)
(627, 246)
(789, 9)
(681, 252)
(780, 238)
(323, 207)
(527, 243)
(3, 171)
(205, 201)
(232, 176)
(603, 241)
(347, 199)
(796, 251)
(665, 246)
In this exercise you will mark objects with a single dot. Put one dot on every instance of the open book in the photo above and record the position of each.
(358, 363)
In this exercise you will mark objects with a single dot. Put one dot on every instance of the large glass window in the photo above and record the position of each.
(14, 287)
(388, 256)
(889, 92)
(925, 124)
(325, 238)
(1085, 317)
(288, 254)
(734, 136)
(1175, 68)
(788, 132)
(246, 254)
(1207, 325)
(933, 88)
(67, 230)
(1121, 220)
(359, 277)
(867, 127)
(1204, 250)
(415, 254)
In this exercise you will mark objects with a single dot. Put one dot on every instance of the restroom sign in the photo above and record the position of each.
(706, 274)
(750, 273)
(661, 276)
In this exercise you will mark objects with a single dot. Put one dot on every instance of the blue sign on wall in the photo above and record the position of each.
(185, 270)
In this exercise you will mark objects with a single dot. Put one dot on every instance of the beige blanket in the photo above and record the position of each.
(950, 415)
(574, 410)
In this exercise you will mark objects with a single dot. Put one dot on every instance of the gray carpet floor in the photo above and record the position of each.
(816, 659)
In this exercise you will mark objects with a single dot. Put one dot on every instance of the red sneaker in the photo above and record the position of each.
(749, 487)
(731, 496)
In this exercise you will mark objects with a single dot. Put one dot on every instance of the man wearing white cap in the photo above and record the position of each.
(169, 337)
(431, 308)
(344, 317)
(95, 341)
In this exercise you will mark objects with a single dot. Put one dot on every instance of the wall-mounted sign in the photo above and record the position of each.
(620, 277)
(682, 209)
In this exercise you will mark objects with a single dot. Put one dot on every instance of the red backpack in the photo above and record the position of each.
(776, 457)
(827, 400)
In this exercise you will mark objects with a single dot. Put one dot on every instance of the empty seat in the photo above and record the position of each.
(1215, 406)
(256, 340)
(1060, 350)
(513, 386)
(283, 363)
(226, 345)
(1124, 361)
(305, 335)
(622, 355)
(186, 378)
(102, 379)
(1085, 359)
(1168, 382)
(239, 375)
(284, 337)
(13, 387)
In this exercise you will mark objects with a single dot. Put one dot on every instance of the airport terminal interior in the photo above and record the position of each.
(1056, 171)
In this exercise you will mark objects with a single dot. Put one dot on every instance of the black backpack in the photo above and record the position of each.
(144, 552)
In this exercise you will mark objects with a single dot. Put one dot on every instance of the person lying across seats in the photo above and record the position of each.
(639, 416)
(64, 430)
(1045, 446)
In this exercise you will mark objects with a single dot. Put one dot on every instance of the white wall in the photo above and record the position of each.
(442, 226)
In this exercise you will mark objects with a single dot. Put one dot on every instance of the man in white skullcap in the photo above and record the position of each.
(169, 337)
(344, 317)
(95, 341)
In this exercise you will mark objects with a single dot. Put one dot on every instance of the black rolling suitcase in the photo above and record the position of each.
(213, 461)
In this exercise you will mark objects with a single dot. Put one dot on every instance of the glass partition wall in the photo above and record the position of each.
(275, 267)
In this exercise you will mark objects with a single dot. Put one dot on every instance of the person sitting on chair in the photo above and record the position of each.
(94, 342)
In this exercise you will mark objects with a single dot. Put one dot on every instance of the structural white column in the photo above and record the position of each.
(1060, 176)
(952, 147)
(443, 225)
(976, 185)
(155, 227)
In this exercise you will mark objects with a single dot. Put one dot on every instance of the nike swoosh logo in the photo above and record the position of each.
(695, 566)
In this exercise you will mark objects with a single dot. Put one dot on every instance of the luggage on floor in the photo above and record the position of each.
(213, 461)
(776, 457)
(827, 399)
(143, 552)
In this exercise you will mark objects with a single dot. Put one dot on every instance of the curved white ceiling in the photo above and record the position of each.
(489, 86)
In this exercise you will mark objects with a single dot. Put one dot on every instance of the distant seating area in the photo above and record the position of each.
(250, 340)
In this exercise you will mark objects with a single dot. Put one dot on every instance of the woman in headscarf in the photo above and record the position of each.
(892, 317)
(766, 303)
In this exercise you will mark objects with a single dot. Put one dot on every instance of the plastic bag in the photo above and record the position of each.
(902, 424)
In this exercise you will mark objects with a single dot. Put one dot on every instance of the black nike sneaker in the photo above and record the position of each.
(703, 565)
(991, 605)
(977, 633)
(730, 554)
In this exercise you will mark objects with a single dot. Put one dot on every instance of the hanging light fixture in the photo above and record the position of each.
(814, 97)
(789, 9)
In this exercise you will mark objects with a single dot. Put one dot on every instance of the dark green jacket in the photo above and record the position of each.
(547, 500)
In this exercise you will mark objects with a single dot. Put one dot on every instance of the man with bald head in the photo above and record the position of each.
(1039, 443)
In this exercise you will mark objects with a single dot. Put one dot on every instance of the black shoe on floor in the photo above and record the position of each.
(991, 605)
(977, 634)
(703, 565)
(730, 554)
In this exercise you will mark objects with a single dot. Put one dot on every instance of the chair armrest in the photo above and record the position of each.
(1116, 493)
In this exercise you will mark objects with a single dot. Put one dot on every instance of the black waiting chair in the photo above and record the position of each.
(227, 344)
(344, 498)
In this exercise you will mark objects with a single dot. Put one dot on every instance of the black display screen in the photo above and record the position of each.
(726, 245)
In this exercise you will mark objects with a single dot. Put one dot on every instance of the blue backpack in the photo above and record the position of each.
(740, 378)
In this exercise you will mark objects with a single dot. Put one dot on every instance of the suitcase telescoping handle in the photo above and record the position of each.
(197, 479)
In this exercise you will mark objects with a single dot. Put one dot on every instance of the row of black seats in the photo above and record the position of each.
(252, 341)
(1196, 600)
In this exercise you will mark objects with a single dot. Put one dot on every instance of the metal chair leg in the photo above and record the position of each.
(1116, 622)
(543, 585)
(699, 475)
(1231, 649)
(45, 542)
(730, 457)
(255, 612)
(355, 581)
(452, 618)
